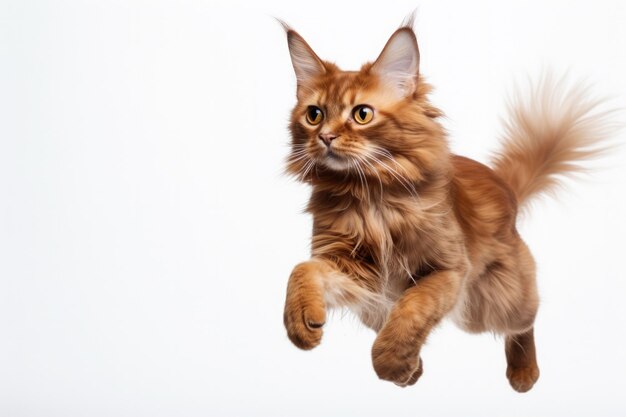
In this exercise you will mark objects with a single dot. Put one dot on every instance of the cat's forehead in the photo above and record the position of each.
(343, 86)
(341, 89)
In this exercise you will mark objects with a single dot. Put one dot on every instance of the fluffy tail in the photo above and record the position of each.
(549, 133)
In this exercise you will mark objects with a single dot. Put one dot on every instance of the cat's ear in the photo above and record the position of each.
(399, 61)
(306, 63)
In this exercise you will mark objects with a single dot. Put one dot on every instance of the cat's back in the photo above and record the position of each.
(484, 204)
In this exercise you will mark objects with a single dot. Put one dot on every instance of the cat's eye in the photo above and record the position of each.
(314, 115)
(363, 114)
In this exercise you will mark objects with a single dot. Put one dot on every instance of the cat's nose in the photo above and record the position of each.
(327, 138)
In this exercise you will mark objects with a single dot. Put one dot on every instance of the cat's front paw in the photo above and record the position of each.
(305, 311)
(396, 360)
(416, 374)
(304, 318)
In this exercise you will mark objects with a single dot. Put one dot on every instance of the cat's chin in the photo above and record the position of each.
(336, 163)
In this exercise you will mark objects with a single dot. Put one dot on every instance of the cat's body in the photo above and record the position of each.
(404, 232)
(467, 221)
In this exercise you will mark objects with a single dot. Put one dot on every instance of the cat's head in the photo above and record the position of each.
(373, 123)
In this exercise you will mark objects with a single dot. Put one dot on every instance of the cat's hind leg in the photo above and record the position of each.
(522, 370)
(503, 299)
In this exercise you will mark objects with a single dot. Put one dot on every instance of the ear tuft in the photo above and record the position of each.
(284, 24)
(409, 20)
(398, 63)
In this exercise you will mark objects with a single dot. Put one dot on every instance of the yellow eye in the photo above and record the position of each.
(363, 114)
(314, 115)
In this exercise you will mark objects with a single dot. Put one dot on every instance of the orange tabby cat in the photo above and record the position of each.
(404, 232)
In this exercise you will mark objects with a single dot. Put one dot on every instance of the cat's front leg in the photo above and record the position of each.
(305, 309)
(317, 285)
(396, 350)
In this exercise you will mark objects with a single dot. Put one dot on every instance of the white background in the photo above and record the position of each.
(147, 233)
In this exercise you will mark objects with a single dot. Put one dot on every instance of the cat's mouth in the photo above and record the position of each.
(333, 155)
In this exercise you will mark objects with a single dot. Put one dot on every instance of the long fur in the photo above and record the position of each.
(548, 134)
(406, 233)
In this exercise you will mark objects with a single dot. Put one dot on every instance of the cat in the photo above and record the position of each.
(404, 232)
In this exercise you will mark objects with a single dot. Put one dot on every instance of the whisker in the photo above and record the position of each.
(384, 152)
(307, 168)
(296, 159)
(399, 177)
(360, 173)
(373, 169)
(405, 180)
(367, 188)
